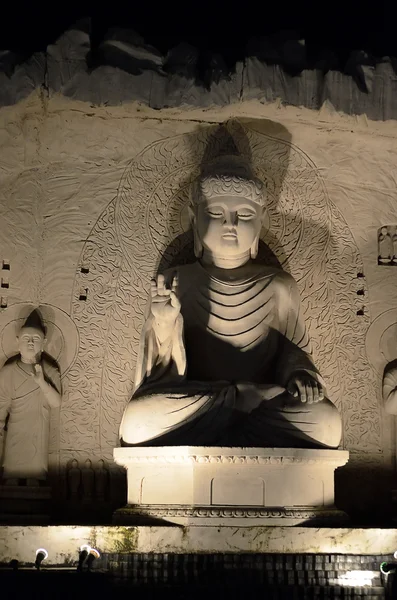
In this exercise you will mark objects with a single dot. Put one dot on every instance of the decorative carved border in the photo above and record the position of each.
(232, 459)
(205, 512)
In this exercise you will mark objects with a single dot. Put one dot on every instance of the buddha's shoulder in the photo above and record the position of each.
(182, 272)
(187, 274)
(49, 363)
(278, 276)
(9, 368)
(189, 267)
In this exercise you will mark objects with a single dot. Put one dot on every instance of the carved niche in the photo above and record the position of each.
(387, 245)
(146, 228)
(61, 349)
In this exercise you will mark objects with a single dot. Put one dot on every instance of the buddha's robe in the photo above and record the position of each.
(25, 448)
(221, 377)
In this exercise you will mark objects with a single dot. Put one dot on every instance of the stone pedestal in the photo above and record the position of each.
(25, 505)
(229, 486)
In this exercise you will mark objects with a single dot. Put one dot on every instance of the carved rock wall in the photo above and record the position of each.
(125, 69)
(92, 203)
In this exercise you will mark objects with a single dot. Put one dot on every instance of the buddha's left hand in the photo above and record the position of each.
(306, 388)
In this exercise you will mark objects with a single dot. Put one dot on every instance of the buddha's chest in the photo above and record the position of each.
(240, 316)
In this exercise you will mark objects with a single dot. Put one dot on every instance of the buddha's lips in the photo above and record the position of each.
(229, 236)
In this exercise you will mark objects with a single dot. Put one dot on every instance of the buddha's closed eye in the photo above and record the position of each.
(216, 214)
(246, 216)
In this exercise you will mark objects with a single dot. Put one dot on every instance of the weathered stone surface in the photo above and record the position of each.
(20, 79)
(63, 543)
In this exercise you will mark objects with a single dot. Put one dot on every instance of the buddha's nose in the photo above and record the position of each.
(231, 219)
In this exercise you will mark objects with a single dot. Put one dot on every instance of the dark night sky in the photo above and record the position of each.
(327, 26)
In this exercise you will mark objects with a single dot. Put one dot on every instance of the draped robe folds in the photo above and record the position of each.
(221, 378)
(25, 443)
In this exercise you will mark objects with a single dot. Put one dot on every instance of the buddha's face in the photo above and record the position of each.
(30, 343)
(228, 225)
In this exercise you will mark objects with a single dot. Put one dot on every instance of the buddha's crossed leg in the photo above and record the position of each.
(229, 415)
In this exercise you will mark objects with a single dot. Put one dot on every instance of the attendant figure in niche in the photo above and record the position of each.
(225, 357)
(385, 247)
(30, 386)
(394, 240)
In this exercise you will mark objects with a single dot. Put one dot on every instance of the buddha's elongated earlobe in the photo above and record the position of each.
(254, 248)
(198, 246)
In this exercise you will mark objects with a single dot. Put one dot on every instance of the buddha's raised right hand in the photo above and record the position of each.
(164, 305)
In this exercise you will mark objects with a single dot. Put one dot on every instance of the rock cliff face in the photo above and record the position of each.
(125, 69)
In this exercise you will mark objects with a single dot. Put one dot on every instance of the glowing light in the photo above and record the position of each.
(382, 565)
(357, 578)
(94, 554)
(395, 554)
(387, 568)
(87, 556)
(41, 554)
(85, 550)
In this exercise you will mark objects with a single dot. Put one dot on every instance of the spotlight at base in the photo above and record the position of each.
(87, 556)
(14, 564)
(41, 555)
(84, 552)
(387, 568)
(94, 554)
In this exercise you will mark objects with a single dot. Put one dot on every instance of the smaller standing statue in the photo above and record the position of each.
(30, 386)
(390, 388)
(385, 247)
(394, 240)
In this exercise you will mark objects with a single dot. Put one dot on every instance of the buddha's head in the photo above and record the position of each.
(227, 205)
(31, 339)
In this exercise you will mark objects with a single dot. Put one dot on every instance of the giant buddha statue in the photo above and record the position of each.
(225, 356)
